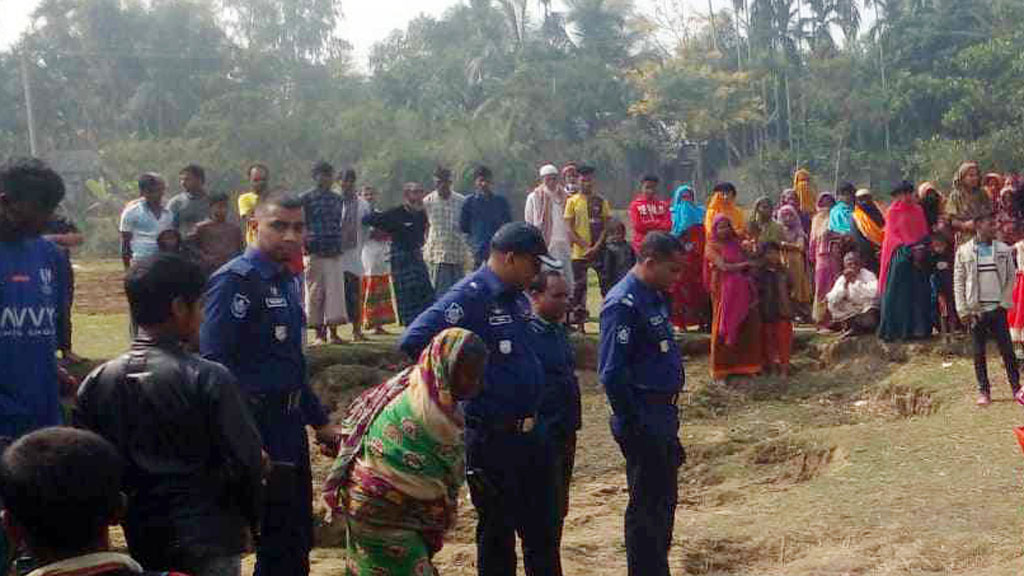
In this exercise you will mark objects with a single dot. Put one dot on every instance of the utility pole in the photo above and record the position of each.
(33, 143)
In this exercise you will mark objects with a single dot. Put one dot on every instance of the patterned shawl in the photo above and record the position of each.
(412, 417)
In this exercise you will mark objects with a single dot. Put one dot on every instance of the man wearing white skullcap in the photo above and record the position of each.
(544, 208)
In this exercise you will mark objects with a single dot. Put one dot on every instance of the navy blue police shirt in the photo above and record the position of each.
(499, 314)
(638, 352)
(560, 400)
(254, 325)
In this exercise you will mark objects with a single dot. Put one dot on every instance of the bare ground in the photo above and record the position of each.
(871, 460)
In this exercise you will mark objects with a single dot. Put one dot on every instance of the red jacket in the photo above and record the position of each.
(648, 215)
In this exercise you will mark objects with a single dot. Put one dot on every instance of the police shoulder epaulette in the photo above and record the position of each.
(241, 267)
(628, 300)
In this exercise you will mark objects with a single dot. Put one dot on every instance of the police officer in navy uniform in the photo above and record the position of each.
(560, 408)
(254, 326)
(641, 369)
(507, 461)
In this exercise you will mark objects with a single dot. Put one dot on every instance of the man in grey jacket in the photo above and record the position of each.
(983, 278)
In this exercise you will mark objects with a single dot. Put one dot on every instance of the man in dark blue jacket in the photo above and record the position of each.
(507, 461)
(641, 369)
(254, 325)
(483, 213)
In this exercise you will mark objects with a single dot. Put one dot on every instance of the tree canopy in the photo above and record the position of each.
(871, 91)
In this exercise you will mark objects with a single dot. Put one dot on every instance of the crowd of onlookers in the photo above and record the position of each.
(203, 423)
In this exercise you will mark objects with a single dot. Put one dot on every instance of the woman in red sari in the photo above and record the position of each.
(736, 346)
(690, 303)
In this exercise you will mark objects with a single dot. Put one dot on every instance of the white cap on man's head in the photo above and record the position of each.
(863, 192)
(548, 170)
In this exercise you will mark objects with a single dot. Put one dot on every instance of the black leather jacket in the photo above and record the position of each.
(191, 447)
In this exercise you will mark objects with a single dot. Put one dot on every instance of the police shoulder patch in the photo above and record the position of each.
(239, 305)
(454, 313)
(622, 335)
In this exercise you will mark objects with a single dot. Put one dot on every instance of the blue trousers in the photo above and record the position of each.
(511, 487)
(286, 528)
(653, 457)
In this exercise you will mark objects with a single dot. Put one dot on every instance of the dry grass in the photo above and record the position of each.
(870, 460)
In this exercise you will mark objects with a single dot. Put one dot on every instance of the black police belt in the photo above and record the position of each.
(661, 398)
(282, 402)
(504, 424)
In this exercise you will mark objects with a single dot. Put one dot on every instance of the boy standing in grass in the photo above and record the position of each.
(983, 277)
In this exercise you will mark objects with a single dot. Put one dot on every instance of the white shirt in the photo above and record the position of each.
(144, 226)
(861, 297)
(533, 214)
(352, 260)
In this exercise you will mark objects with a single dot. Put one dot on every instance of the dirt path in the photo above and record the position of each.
(863, 466)
(868, 467)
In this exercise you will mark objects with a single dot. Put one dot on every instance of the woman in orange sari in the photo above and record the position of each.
(723, 203)
(736, 347)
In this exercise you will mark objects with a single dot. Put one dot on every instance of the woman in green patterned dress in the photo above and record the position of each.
(397, 476)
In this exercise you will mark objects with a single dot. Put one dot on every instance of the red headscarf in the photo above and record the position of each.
(905, 225)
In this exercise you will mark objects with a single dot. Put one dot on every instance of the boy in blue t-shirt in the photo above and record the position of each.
(33, 289)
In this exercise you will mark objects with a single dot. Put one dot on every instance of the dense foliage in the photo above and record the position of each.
(868, 91)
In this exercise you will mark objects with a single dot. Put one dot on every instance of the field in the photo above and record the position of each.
(870, 460)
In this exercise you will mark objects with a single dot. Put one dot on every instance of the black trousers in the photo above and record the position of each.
(286, 525)
(563, 455)
(354, 299)
(992, 325)
(510, 485)
(652, 469)
(578, 302)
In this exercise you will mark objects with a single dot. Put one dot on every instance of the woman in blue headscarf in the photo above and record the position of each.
(840, 219)
(685, 213)
(690, 302)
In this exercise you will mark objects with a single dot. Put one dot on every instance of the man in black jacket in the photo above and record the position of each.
(192, 450)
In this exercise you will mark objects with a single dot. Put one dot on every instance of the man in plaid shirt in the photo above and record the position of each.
(445, 249)
(325, 281)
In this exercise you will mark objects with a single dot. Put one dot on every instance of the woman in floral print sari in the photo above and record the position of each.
(401, 462)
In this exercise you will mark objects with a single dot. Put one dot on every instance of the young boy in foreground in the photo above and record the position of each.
(61, 494)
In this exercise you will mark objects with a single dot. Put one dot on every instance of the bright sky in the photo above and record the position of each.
(365, 21)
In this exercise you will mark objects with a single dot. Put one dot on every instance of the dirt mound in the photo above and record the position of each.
(719, 556)
(897, 401)
(99, 289)
(831, 350)
(792, 461)
(337, 385)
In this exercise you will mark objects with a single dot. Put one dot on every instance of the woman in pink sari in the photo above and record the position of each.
(736, 327)
(826, 254)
